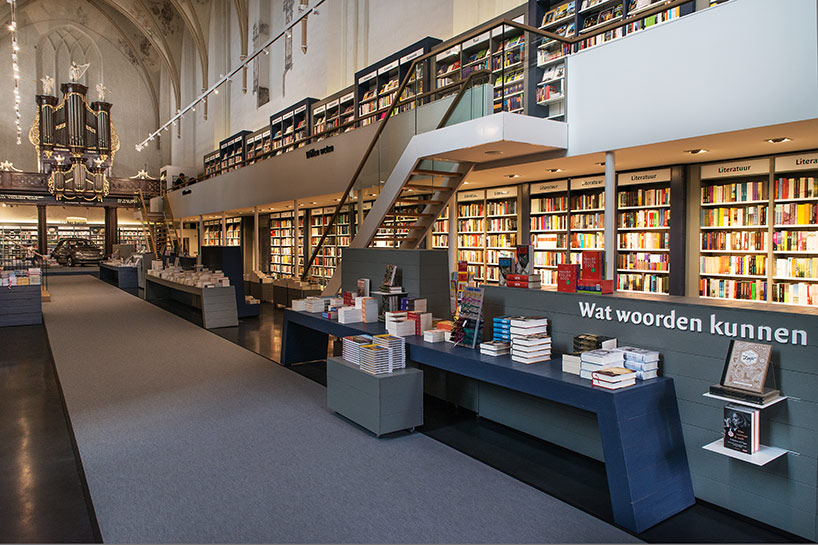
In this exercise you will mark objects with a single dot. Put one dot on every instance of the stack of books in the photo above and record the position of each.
(330, 314)
(396, 347)
(336, 302)
(351, 351)
(741, 428)
(644, 362)
(349, 298)
(434, 336)
(613, 378)
(597, 360)
(571, 363)
(316, 304)
(375, 359)
(501, 328)
(495, 348)
(589, 341)
(300, 304)
(413, 303)
(422, 321)
(528, 281)
(349, 315)
(530, 342)
(369, 309)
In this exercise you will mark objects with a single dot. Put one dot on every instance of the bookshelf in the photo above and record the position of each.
(795, 230)
(232, 151)
(376, 85)
(282, 244)
(301, 242)
(15, 238)
(471, 228)
(440, 231)
(636, 6)
(131, 235)
(735, 223)
(593, 14)
(333, 111)
(340, 236)
(212, 164)
(586, 218)
(258, 144)
(291, 126)
(501, 228)
(558, 18)
(549, 227)
(508, 68)
(94, 233)
(212, 234)
(643, 230)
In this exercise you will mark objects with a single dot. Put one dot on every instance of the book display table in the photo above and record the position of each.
(218, 305)
(380, 403)
(640, 429)
(120, 276)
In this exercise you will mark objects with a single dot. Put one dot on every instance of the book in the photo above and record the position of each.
(363, 285)
(594, 286)
(530, 360)
(524, 260)
(590, 341)
(524, 285)
(593, 265)
(526, 331)
(389, 277)
(567, 277)
(742, 395)
(612, 385)
(528, 321)
(571, 363)
(524, 277)
(506, 266)
(746, 366)
(639, 354)
(537, 339)
(614, 375)
(741, 428)
(602, 356)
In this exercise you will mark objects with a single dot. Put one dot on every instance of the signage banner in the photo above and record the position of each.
(793, 163)
(644, 177)
(548, 187)
(736, 168)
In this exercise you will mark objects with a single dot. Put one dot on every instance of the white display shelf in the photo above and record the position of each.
(756, 252)
(794, 279)
(802, 199)
(645, 250)
(799, 252)
(553, 80)
(763, 456)
(540, 231)
(547, 213)
(733, 227)
(770, 403)
(646, 207)
(797, 226)
(640, 271)
(731, 204)
(731, 275)
(662, 228)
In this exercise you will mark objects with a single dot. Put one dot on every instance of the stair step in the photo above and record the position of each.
(420, 201)
(437, 173)
(423, 187)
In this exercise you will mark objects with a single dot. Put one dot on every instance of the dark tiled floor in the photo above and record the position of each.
(42, 493)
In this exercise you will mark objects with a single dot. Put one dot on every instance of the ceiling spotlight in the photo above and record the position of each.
(337, 200)
(313, 202)
(493, 152)
(554, 170)
(600, 164)
(778, 140)
(512, 175)
(215, 91)
(696, 151)
(373, 195)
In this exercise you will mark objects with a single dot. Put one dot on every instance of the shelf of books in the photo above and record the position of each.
(131, 235)
(326, 260)
(586, 218)
(212, 235)
(549, 228)
(471, 228)
(501, 228)
(637, 6)
(592, 15)
(212, 164)
(300, 250)
(232, 151)
(398, 226)
(508, 68)
(440, 231)
(643, 231)
(282, 244)
(258, 144)
(734, 223)
(15, 238)
(95, 233)
(795, 230)
(550, 94)
(333, 111)
(290, 127)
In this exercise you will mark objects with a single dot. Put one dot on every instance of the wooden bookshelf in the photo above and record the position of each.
(549, 227)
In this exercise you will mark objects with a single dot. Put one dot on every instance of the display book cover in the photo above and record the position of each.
(744, 376)
(741, 428)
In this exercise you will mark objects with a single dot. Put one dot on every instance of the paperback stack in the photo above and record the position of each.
(571, 363)
(349, 298)
(396, 347)
(349, 315)
(336, 302)
(597, 360)
(413, 303)
(316, 304)
(300, 304)
(398, 324)
(589, 341)
(351, 351)
(495, 348)
(530, 342)
(644, 362)
(369, 309)
(613, 378)
(528, 281)
(375, 359)
(330, 314)
(741, 428)
(501, 328)
(422, 320)
(434, 336)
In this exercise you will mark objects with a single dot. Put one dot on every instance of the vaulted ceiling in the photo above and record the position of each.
(154, 29)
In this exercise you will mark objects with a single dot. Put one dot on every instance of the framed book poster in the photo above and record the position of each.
(746, 366)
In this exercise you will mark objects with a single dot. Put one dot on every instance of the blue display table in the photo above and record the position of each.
(645, 459)
(120, 276)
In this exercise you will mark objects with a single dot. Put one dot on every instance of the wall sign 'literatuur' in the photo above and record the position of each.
(713, 326)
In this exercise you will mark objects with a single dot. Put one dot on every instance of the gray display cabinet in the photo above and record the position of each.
(380, 403)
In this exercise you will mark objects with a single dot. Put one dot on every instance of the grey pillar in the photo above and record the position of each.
(256, 259)
(610, 215)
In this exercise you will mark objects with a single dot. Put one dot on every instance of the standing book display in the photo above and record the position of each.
(390, 292)
(468, 323)
(745, 373)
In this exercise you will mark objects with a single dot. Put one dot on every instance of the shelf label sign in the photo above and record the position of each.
(368, 76)
(502, 193)
(276, 120)
(465, 196)
(479, 39)
(736, 168)
(448, 53)
(391, 66)
(411, 56)
(321, 109)
(287, 116)
(334, 103)
(300, 109)
(586, 183)
(792, 163)
(346, 98)
(548, 187)
(644, 177)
